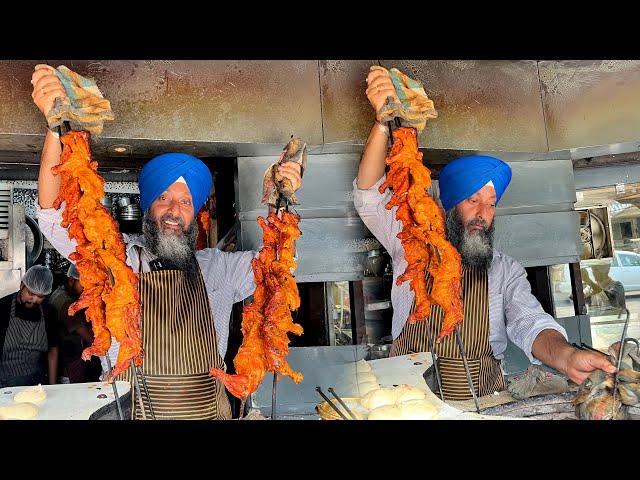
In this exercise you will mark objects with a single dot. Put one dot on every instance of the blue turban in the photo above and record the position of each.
(466, 175)
(165, 169)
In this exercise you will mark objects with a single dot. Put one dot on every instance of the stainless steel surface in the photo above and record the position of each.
(539, 186)
(482, 105)
(334, 240)
(14, 267)
(212, 106)
(590, 102)
(539, 238)
(320, 366)
(243, 108)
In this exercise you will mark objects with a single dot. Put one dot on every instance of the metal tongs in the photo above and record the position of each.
(333, 406)
(623, 340)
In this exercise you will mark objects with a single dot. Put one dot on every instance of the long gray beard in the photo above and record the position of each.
(476, 249)
(178, 250)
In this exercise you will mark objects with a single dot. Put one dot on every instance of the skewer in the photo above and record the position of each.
(348, 410)
(135, 376)
(146, 392)
(620, 354)
(274, 389)
(434, 357)
(328, 400)
(240, 414)
(466, 368)
(115, 389)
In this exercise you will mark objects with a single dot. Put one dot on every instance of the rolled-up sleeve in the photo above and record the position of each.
(525, 317)
(241, 274)
(370, 205)
(49, 220)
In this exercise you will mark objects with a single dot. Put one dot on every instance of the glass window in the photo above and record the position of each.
(610, 267)
(340, 313)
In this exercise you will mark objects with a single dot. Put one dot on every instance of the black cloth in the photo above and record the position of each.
(31, 314)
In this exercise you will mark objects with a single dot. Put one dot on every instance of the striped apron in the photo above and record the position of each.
(25, 346)
(485, 368)
(180, 347)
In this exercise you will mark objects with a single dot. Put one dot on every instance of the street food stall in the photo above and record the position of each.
(525, 112)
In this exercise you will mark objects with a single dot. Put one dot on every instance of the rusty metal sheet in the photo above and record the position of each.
(482, 105)
(18, 114)
(253, 102)
(489, 105)
(590, 103)
(346, 113)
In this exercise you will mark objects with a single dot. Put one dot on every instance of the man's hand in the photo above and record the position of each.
(46, 88)
(291, 170)
(552, 349)
(581, 363)
(379, 87)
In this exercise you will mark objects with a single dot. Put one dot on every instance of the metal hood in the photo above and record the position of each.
(526, 110)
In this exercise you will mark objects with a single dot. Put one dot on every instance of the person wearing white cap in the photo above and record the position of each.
(27, 336)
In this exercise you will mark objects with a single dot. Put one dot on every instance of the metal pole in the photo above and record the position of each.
(620, 353)
(435, 360)
(115, 389)
(273, 396)
(466, 368)
(137, 382)
(146, 392)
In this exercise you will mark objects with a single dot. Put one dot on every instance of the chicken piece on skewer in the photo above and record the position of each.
(423, 233)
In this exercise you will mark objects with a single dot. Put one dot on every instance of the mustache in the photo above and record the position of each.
(172, 218)
(477, 221)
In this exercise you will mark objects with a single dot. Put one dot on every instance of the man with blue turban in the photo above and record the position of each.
(497, 298)
(186, 295)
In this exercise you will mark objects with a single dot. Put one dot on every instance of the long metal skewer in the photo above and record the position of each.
(274, 389)
(620, 354)
(347, 409)
(146, 392)
(434, 358)
(466, 368)
(115, 389)
(328, 400)
(135, 376)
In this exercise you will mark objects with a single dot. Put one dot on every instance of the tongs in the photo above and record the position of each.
(623, 340)
(330, 403)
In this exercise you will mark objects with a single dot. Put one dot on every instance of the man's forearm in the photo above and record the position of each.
(53, 365)
(372, 163)
(551, 348)
(48, 183)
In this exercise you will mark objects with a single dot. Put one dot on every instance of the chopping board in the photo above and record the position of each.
(70, 401)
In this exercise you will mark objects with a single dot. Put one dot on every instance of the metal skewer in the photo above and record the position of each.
(115, 389)
(466, 368)
(620, 354)
(328, 400)
(135, 376)
(146, 392)
(348, 410)
(434, 358)
(274, 389)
